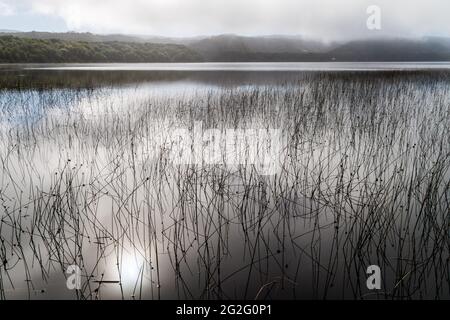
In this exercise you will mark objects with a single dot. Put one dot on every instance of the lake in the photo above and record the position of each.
(241, 66)
(224, 181)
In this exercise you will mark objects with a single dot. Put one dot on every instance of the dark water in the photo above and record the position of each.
(88, 178)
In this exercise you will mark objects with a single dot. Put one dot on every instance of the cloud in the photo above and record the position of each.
(6, 9)
(328, 19)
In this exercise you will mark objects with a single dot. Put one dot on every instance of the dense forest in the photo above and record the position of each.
(40, 47)
(22, 50)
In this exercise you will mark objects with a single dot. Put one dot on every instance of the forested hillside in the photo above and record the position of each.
(22, 50)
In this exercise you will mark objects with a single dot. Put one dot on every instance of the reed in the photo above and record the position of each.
(86, 179)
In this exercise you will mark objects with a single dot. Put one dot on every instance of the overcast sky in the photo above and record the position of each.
(325, 19)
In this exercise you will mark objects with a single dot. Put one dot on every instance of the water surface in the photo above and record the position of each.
(88, 179)
(242, 66)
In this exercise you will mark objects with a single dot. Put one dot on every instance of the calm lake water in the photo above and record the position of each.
(89, 179)
(243, 66)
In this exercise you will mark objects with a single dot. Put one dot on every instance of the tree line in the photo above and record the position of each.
(26, 50)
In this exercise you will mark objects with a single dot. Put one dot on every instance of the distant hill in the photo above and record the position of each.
(92, 37)
(72, 36)
(25, 50)
(233, 48)
(277, 48)
(213, 48)
(222, 48)
(393, 50)
(8, 31)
